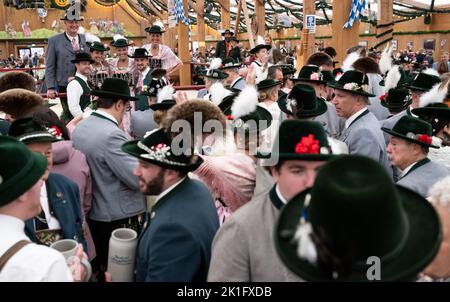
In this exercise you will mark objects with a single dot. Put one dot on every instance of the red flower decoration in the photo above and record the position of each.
(307, 145)
(230, 117)
(57, 131)
(383, 97)
(424, 139)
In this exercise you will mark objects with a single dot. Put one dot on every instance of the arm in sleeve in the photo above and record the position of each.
(58, 271)
(74, 93)
(365, 143)
(175, 255)
(50, 64)
(121, 164)
(230, 255)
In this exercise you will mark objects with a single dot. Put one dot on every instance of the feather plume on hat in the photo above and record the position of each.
(90, 38)
(218, 92)
(165, 93)
(431, 71)
(260, 40)
(118, 37)
(19, 102)
(386, 59)
(349, 60)
(436, 94)
(392, 78)
(159, 23)
(245, 102)
(215, 64)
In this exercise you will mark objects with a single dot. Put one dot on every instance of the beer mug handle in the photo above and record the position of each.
(88, 267)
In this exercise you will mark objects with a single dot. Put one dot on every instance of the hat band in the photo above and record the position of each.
(15, 179)
(25, 137)
(158, 153)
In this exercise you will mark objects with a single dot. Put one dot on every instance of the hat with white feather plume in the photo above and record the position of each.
(386, 60)
(120, 41)
(425, 80)
(164, 99)
(214, 72)
(218, 92)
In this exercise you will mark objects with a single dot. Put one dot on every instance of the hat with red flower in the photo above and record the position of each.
(413, 130)
(301, 140)
(29, 131)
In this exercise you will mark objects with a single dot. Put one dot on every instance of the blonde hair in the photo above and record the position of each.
(264, 94)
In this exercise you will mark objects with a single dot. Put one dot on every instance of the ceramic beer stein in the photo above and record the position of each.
(122, 254)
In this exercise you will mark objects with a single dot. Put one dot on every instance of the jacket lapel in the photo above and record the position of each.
(420, 163)
(67, 43)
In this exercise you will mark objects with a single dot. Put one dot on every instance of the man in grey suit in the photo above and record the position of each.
(61, 50)
(408, 150)
(117, 201)
(362, 132)
(243, 249)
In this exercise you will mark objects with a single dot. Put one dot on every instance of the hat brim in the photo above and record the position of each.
(311, 81)
(120, 45)
(83, 60)
(339, 87)
(160, 32)
(276, 83)
(230, 32)
(432, 111)
(321, 108)
(163, 105)
(37, 137)
(107, 94)
(422, 243)
(132, 149)
(230, 66)
(220, 77)
(417, 88)
(399, 135)
(386, 105)
(65, 19)
(255, 49)
(139, 57)
(29, 179)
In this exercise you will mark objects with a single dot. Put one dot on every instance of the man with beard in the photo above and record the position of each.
(223, 47)
(175, 244)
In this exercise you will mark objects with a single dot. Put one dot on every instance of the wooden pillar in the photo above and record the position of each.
(260, 17)
(385, 25)
(343, 38)
(248, 23)
(183, 49)
(238, 18)
(308, 39)
(201, 26)
(4, 20)
(225, 21)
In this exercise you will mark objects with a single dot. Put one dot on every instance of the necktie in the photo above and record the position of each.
(75, 45)
(140, 82)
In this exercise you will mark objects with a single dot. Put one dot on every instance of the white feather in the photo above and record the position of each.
(386, 60)
(159, 23)
(305, 246)
(80, 31)
(92, 38)
(118, 37)
(349, 60)
(215, 63)
(218, 92)
(165, 93)
(440, 192)
(245, 102)
(435, 95)
(260, 41)
(431, 71)
(392, 78)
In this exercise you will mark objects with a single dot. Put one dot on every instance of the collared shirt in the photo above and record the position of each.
(32, 263)
(355, 115)
(52, 222)
(166, 191)
(409, 111)
(404, 172)
(280, 196)
(74, 93)
(71, 38)
(107, 115)
(235, 81)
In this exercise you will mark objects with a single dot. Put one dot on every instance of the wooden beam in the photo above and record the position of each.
(238, 18)
(308, 40)
(196, 7)
(183, 49)
(384, 31)
(201, 26)
(225, 20)
(248, 23)
(260, 12)
(343, 39)
(154, 9)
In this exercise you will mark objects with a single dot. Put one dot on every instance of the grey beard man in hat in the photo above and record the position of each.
(362, 132)
(243, 249)
(117, 201)
(58, 68)
(175, 244)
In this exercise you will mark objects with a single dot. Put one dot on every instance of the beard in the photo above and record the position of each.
(154, 186)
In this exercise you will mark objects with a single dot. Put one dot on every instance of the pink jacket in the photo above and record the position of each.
(71, 163)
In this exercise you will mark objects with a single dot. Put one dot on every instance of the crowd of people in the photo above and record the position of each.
(268, 174)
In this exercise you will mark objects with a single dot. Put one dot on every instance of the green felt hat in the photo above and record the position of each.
(355, 211)
(141, 53)
(396, 98)
(328, 77)
(302, 102)
(354, 82)
(258, 47)
(97, 46)
(154, 29)
(156, 148)
(116, 89)
(83, 57)
(230, 63)
(434, 113)
(424, 82)
(120, 43)
(413, 130)
(301, 140)
(310, 73)
(20, 169)
(28, 131)
(215, 74)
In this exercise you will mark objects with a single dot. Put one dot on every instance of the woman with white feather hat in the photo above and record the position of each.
(161, 55)
(212, 76)
(261, 63)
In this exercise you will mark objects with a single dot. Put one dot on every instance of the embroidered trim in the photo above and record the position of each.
(36, 135)
(356, 87)
(158, 153)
